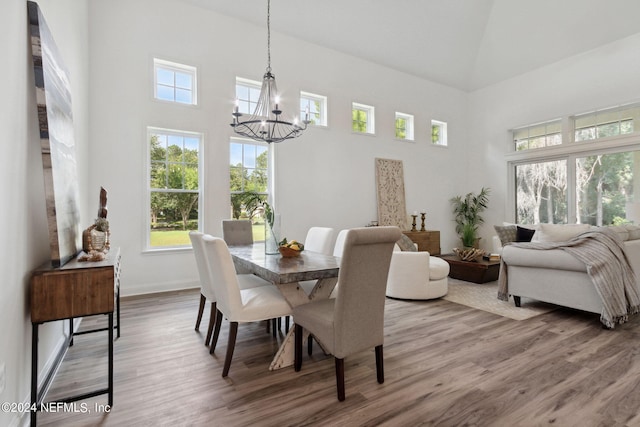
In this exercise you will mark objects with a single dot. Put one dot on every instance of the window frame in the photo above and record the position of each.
(443, 140)
(370, 124)
(409, 136)
(175, 67)
(313, 97)
(152, 130)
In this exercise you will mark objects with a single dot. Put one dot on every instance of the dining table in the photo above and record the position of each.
(285, 273)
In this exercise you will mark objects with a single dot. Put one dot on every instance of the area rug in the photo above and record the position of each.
(484, 296)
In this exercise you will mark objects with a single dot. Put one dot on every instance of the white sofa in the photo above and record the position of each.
(556, 277)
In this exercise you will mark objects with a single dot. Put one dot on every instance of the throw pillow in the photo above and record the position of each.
(506, 233)
(524, 234)
(560, 232)
(406, 244)
(634, 231)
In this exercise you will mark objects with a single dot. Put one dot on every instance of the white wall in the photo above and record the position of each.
(604, 77)
(326, 177)
(25, 236)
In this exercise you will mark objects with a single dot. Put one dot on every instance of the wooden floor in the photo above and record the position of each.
(445, 365)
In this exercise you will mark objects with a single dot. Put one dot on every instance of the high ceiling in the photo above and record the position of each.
(467, 44)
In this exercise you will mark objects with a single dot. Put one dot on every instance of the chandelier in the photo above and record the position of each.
(266, 123)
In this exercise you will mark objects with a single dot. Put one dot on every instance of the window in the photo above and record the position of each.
(438, 133)
(604, 188)
(541, 192)
(404, 126)
(313, 108)
(363, 119)
(249, 171)
(605, 123)
(174, 82)
(247, 95)
(174, 187)
(538, 135)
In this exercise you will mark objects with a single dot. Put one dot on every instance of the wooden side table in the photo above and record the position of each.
(426, 240)
(76, 289)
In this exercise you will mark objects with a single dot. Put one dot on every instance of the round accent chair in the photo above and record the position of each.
(417, 276)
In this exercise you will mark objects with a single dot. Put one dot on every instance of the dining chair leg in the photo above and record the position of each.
(216, 331)
(379, 364)
(340, 378)
(268, 325)
(203, 299)
(286, 324)
(212, 321)
(310, 345)
(297, 361)
(274, 326)
(233, 332)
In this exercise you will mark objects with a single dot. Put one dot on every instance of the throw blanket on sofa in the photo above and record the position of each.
(602, 252)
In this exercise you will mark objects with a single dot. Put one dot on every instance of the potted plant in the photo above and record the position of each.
(467, 212)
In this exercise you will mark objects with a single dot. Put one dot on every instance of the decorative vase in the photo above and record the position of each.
(271, 235)
(98, 240)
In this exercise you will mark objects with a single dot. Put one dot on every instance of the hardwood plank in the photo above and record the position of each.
(445, 365)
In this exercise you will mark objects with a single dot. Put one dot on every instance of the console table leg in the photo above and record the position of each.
(34, 372)
(111, 358)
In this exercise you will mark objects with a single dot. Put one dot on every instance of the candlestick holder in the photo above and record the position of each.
(423, 215)
(413, 225)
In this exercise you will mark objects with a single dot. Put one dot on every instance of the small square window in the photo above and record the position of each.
(313, 108)
(404, 126)
(174, 82)
(363, 118)
(438, 133)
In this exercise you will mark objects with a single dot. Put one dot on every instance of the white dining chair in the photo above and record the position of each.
(319, 239)
(235, 300)
(354, 320)
(206, 288)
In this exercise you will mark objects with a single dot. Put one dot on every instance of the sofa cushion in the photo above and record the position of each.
(438, 268)
(559, 232)
(524, 234)
(506, 233)
(621, 231)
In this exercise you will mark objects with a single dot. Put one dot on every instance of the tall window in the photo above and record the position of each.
(541, 192)
(247, 95)
(363, 118)
(438, 133)
(174, 82)
(249, 172)
(314, 107)
(538, 135)
(404, 126)
(579, 183)
(174, 185)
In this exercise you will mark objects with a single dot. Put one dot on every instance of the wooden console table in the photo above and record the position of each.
(76, 289)
(426, 240)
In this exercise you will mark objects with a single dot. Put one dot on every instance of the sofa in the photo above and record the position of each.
(557, 277)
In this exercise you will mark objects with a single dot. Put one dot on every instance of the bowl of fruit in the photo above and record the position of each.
(290, 249)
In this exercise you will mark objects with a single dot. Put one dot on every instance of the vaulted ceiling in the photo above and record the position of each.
(467, 44)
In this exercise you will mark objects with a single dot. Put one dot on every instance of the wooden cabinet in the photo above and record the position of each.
(426, 240)
(76, 289)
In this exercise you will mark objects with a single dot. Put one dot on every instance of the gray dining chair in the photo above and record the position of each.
(235, 300)
(237, 232)
(354, 320)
